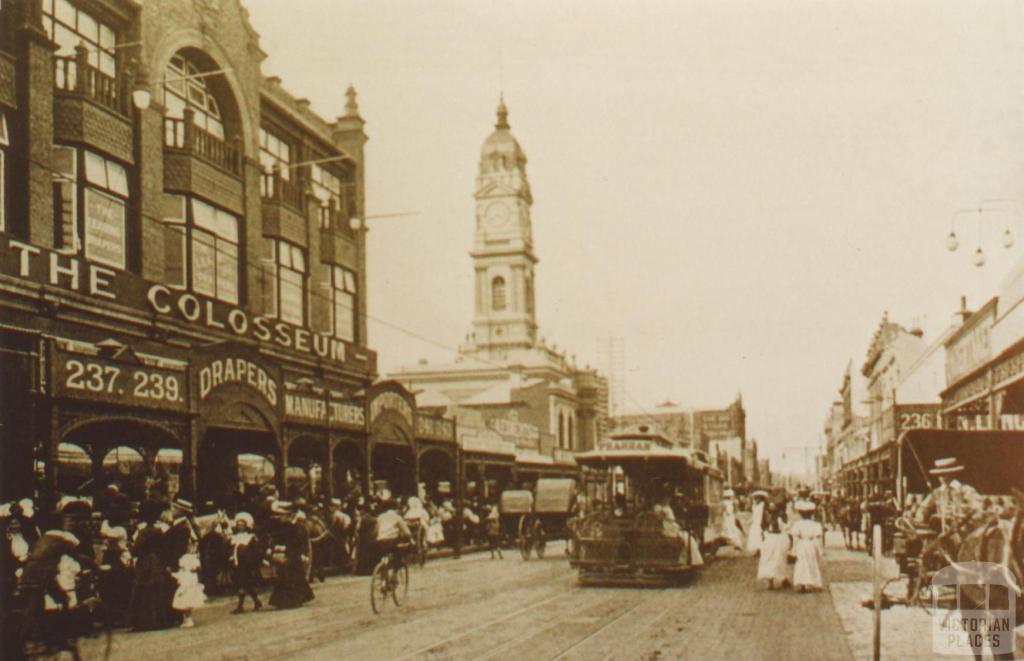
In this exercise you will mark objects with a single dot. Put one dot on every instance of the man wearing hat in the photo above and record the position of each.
(951, 501)
(181, 538)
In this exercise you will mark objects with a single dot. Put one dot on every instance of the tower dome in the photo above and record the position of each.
(501, 150)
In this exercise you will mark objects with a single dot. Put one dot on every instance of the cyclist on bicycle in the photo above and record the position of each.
(392, 529)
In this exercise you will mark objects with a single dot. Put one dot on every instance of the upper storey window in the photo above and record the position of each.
(275, 156)
(187, 88)
(327, 190)
(69, 26)
(90, 196)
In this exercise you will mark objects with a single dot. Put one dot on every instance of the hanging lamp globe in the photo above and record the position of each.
(979, 257)
(1008, 238)
(952, 242)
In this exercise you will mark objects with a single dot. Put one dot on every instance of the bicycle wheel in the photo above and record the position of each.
(379, 586)
(421, 547)
(523, 541)
(540, 541)
(399, 581)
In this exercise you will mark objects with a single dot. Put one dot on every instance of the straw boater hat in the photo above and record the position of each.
(183, 505)
(281, 507)
(245, 516)
(945, 466)
(760, 493)
(728, 493)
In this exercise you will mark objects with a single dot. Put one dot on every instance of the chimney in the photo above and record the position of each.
(963, 313)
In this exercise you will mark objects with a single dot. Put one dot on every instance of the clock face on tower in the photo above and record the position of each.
(497, 214)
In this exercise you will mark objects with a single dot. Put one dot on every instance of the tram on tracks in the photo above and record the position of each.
(652, 511)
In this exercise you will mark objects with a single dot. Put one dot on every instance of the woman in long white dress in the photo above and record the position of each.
(773, 565)
(730, 529)
(808, 546)
(755, 535)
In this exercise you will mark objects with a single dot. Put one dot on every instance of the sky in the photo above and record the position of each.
(739, 189)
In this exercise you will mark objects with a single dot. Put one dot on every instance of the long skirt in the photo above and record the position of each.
(731, 531)
(152, 594)
(807, 572)
(291, 589)
(773, 565)
(755, 534)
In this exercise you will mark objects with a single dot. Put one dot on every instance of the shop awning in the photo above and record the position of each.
(993, 461)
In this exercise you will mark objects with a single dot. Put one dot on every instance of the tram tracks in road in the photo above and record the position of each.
(365, 627)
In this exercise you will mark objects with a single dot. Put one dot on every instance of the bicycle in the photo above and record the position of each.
(390, 579)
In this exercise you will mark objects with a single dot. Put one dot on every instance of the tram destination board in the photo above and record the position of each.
(80, 376)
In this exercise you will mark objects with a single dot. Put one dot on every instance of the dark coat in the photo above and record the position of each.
(153, 588)
(290, 587)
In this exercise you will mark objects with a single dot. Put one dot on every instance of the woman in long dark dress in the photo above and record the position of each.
(291, 589)
(153, 589)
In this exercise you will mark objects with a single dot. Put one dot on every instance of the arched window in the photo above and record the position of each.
(571, 443)
(498, 293)
(561, 430)
(187, 88)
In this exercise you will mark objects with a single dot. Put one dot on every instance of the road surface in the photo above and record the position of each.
(476, 608)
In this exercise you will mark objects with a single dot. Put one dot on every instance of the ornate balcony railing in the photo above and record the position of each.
(183, 135)
(74, 75)
(275, 188)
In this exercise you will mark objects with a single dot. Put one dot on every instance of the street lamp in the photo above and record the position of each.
(979, 258)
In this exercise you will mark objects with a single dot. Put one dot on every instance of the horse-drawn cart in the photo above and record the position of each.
(535, 518)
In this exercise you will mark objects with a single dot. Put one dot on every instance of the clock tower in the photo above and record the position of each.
(503, 258)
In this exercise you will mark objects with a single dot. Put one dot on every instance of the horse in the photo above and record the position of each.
(999, 541)
(850, 520)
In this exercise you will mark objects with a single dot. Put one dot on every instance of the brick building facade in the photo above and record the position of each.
(182, 262)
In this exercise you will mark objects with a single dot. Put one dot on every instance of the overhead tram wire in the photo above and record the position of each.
(249, 262)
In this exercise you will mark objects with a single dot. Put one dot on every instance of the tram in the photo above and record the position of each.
(652, 511)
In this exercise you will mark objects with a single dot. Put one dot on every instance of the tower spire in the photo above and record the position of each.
(502, 113)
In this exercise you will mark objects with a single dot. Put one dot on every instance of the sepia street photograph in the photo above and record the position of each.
(429, 330)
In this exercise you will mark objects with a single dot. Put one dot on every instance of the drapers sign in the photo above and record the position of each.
(238, 371)
(321, 410)
(44, 266)
(82, 376)
(391, 401)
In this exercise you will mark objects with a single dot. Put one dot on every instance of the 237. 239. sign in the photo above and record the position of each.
(100, 379)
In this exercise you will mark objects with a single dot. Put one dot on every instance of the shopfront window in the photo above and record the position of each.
(287, 282)
(201, 248)
(69, 26)
(84, 180)
(343, 303)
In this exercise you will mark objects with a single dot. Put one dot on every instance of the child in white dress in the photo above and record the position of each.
(190, 594)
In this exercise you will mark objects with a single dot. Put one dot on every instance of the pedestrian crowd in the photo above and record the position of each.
(106, 561)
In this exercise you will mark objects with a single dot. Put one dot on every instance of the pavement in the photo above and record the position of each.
(477, 608)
